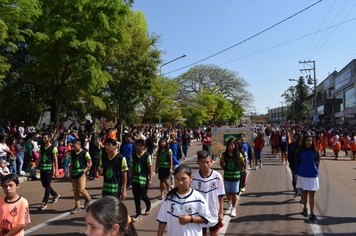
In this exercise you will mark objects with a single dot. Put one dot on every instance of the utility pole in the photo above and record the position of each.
(282, 111)
(315, 98)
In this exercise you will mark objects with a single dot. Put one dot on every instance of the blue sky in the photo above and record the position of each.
(200, 28)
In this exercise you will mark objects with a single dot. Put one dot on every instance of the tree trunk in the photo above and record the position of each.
(119, 125)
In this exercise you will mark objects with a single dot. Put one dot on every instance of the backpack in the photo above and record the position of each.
(179, 155)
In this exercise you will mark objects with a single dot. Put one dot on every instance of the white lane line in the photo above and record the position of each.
(314, 225)
(37, 227)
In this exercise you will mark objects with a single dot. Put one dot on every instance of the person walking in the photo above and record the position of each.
(308, 159)
(185, 142)
(48, 157)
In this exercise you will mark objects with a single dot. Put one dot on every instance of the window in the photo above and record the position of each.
(339, 102)
(350, 98)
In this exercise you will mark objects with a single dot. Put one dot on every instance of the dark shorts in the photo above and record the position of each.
(163, 173)
(214, 229)
(258, 153)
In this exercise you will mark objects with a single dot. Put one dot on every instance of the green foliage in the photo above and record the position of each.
(14, 17)
(299, 96)
(72, 45)
(160, 98)
(214, 95)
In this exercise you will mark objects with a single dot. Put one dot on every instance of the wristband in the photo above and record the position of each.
(191, 219)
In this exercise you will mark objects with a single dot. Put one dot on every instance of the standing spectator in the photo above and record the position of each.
(258, 144)
(44, 127)
(185, 142)
(7, 128)
(31, 129)
(48, 157)
(61, 153)
(20, 155)
(80, 163)
(12, 155)
(35, 148)
(151, 144)
(4, 149)
(14, 131)
(308, 159)
(22, 129)
(28, 154)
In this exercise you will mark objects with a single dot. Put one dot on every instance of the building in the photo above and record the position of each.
(276, 115)
(336, 97)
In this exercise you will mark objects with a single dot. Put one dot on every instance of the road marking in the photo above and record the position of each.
(37, 227)
(314, 225)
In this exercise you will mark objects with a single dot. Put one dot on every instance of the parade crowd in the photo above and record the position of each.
(192, 202)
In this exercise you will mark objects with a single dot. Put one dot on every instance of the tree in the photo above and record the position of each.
(215, 95)
(72, 45)
(299, 95)
(216, 79)
(160, 99)
(133, 70)
(14, 19)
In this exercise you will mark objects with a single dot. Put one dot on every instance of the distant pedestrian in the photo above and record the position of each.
(335, 144)
(308, 159)
(185, 142)
(258, 144)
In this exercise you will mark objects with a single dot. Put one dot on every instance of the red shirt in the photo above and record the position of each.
(258, 143)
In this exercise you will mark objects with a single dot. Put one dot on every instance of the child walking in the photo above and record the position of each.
(141, 178)
(80, 163)
(231, 162)
(184, 210)
(164, 165)
(210, 184)
(13, 224)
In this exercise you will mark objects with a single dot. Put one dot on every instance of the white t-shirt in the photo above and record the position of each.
(211, 188)
(193, 204)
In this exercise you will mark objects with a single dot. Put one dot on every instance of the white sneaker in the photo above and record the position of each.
(229, 205)
(256, 168)
(233, 212)
(260, 166)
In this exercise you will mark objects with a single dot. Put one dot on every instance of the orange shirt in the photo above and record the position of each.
(13, 214)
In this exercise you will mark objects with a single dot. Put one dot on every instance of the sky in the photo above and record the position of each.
(201, 28)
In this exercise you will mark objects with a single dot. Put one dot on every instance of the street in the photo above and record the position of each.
(266, 208)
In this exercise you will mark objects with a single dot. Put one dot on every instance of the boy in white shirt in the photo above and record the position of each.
(210, 184)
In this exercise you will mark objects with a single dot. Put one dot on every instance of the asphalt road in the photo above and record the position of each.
(266, 208)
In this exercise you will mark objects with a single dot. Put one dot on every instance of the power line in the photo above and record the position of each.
(249, 38)
(326, 31)
(281, 44)
(318, 29)
(332, 32)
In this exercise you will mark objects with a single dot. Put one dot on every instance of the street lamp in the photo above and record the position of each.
(160, 72)
(160, 69)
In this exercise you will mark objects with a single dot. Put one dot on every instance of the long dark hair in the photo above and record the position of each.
(108, 211)
(180, 168)
(236, 153)
(303, 148)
